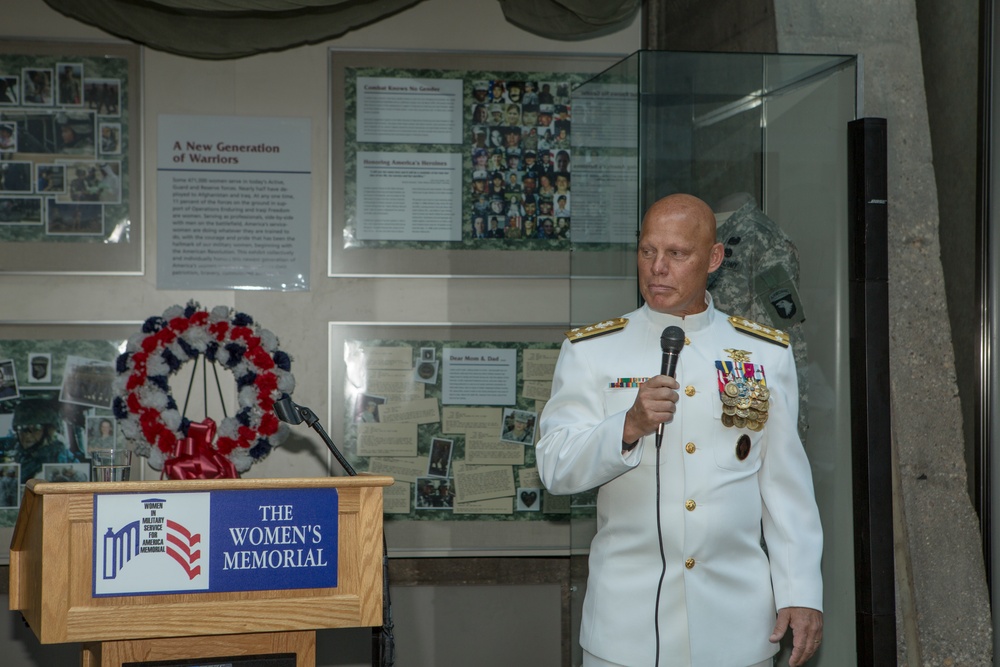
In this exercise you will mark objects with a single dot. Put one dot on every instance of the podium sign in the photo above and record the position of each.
(215, 541)
(205, 572)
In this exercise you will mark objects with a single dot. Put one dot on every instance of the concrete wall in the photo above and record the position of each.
(950, 58)
(947, 604)
(721, 25)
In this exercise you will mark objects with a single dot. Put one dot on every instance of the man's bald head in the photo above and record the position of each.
(677, 251)
(687, 206)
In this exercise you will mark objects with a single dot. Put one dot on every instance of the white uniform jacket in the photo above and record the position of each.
(721, 590)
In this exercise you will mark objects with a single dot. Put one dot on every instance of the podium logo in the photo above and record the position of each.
(181, 547)
(150, 544)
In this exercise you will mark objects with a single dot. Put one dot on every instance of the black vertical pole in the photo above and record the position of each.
(986, 297)
(871, 428)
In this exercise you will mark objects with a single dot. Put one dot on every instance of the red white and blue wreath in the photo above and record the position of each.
(148, 414)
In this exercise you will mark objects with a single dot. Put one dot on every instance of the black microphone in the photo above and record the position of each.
(671, 343)
(291, 412)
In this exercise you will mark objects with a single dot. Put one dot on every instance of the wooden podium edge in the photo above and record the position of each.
(41, 487)
(17, 576)
(28, 570)
(212, 647)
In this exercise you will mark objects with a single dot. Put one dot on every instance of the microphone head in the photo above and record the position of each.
(287, 411)
(672, 340)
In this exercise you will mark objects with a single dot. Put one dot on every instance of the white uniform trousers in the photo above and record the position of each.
(590, 660)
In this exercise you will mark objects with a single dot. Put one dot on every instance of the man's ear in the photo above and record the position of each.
(718, 253)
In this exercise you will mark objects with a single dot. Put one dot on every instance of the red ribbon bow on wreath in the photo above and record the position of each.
(195, 458)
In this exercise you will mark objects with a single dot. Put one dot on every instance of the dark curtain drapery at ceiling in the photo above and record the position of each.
(219, 29)
(570, 19)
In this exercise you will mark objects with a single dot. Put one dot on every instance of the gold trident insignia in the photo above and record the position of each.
(739, 356)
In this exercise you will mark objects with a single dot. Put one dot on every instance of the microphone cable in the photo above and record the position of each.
(383, 641)
(663, 562)
(671, 343)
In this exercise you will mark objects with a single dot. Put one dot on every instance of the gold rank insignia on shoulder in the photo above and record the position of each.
(597, 329)
(760, 331)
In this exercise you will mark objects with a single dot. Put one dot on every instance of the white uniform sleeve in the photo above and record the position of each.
(580, 444)
(791, 521)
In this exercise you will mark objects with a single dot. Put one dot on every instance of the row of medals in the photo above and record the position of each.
(745, 404)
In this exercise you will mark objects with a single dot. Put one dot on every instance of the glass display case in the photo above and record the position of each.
(763, 139)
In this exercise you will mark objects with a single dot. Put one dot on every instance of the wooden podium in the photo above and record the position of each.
(52, 581)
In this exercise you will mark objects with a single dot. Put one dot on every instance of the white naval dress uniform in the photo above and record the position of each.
(721, 590)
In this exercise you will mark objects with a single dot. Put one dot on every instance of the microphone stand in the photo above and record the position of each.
(291, 412)
(383, 642)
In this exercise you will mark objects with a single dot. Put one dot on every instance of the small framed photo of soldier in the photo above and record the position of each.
(20, 210)
(74, 219)
(518, 426)
(10, 91)
(432, 493)
(10, 485)
(75, 133)
(102, 432)
(110, 138)
(428, 354)
(50, 179)
(8, 137)
(39, 425)
(366, 409)
(66, 472)
(8, 380)
(439, 460)
(103, 96)
(88, 382)
(480, 90)
(15, 177)
(36, 87)
(69, 84)
(93, 182)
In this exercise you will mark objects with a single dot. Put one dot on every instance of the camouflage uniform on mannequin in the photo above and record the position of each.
(36, 423)
(759, 280)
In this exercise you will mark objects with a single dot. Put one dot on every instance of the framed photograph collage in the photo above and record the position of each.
(55, 404)
(69, 165)
(447, 171)
(451, 412)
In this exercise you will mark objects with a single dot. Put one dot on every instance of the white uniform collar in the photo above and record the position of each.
(695, 322)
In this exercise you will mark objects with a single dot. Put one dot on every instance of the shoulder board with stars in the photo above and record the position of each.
(761, 331)
(595, 330)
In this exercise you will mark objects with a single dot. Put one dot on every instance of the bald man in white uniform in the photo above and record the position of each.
(730, 463)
